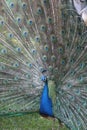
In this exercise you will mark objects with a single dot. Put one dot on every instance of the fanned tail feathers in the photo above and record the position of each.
(38, 35)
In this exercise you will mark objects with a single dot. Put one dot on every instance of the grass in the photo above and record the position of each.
(28, 122)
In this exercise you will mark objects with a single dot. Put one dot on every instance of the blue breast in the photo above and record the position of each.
(46, 102)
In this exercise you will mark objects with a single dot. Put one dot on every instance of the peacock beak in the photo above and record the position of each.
(84, 17)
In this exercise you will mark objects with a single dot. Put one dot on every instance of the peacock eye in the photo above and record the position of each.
(43, 28)
(25, 33)
(28, 76)
(4, 51)
(82, 65)
(39, 10)
(33, 51)
(53, 38)
(30, 65)
(30, 22)
(50, 68)
(24, 5)
(19, 20)
(49, 20)
(18, 49)
(12, 5)
(37, 39)
(69, 85)
(15, 65)
(1, 22)
(53, 58)
(60, 50)
(44, 58)
(77, 91)
(46, 48)
(10, 35)
(41, 69)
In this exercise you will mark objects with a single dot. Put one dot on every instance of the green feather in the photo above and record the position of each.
(52, 90)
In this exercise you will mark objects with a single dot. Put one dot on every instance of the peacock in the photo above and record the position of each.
(43, 60)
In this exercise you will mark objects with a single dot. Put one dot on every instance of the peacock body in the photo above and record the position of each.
(43, 60)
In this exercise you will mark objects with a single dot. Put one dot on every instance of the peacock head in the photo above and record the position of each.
(44, 76)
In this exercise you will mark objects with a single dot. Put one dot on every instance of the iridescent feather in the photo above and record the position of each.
(47, 36)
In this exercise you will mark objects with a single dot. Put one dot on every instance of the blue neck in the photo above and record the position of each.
(46, 102)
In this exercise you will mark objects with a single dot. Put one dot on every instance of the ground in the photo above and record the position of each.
(28, 122)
